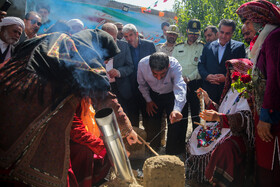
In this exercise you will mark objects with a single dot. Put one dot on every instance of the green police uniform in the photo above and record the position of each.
(188, 56)
(164, 48)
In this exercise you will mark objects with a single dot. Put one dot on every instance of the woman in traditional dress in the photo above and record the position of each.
(217, 151)
(264, 18)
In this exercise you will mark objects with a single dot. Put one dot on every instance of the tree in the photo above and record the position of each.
(209, 12)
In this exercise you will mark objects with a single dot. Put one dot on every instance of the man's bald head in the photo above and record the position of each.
(111, 29)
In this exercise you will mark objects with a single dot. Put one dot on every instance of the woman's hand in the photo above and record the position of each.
(210, 115)
(200, 91)
(264, 131)
(132, 138)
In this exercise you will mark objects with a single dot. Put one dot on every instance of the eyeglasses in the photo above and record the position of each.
(32, 21)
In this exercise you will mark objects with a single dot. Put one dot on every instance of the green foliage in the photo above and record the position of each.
(209, 12)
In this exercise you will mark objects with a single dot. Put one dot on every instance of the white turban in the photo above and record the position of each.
(75, 22)
(12, 21)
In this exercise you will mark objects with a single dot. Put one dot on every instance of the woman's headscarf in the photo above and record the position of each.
(241, 65)
(259, 11)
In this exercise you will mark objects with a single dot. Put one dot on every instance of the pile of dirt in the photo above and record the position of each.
(164, 170)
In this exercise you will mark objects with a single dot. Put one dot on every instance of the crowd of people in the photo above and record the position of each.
(55, 75)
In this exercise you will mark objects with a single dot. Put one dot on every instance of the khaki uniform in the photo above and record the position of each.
(188, 56)
(164, 48)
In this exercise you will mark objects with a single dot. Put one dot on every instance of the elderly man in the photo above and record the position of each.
(211, 66)
(162, 85)
(264, 18)
(210, 33)
(32, 23)
(75, 25)
(11, 30)
(119, 68)
(171, 37)
(139, 49)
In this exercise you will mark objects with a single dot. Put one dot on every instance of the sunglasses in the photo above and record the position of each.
(32, 21)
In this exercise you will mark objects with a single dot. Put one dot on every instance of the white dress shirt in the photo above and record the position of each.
(173, 81)
(221, 51)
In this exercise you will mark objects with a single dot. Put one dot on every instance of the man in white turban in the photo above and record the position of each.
(10, 32)
(76, 25)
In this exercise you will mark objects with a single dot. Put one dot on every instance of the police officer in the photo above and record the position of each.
(188, 54)
(171, 37)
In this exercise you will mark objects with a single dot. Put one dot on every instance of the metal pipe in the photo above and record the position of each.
(107, 123)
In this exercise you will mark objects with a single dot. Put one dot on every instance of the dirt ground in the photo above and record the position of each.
(138, 163)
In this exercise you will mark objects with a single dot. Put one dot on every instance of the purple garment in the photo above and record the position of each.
(269, 65)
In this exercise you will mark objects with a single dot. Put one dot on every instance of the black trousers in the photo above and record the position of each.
(164, 102)
(193, 103)
(137, 106)
(214, 91)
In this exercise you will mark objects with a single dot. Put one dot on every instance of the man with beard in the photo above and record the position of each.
(210, 33)
(120, 34)
(10, 32)
(188, 54)
(32, 23)
(248, 34)
(171, 34)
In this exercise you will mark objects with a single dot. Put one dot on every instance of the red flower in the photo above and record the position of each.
(245, 78)
(235, 75)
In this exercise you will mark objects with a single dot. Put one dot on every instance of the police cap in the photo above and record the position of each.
(193, 26)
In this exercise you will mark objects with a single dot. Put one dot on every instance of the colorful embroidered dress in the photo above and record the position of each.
(224, 139)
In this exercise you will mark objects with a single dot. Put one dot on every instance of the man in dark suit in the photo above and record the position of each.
(139, 49)
(32, 21)
(211, 66)
(120, 70)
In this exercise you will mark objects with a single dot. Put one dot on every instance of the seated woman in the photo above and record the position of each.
(217, 151)
(89, 161)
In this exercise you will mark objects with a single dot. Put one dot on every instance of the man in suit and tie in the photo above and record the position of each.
(211, 66)
(10, 31)
(119, 68)
(139, 49)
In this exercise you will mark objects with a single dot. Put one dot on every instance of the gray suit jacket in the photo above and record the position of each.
(123, 63)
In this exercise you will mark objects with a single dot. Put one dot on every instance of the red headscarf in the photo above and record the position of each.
(260, 11)
(241, 65)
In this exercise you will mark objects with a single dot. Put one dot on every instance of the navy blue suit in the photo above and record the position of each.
(209, 64)
(138, 103)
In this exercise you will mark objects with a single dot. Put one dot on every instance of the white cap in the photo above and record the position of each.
(75, 22)
(12, 21)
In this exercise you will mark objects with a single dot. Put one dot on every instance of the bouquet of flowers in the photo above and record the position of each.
(242, 83)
